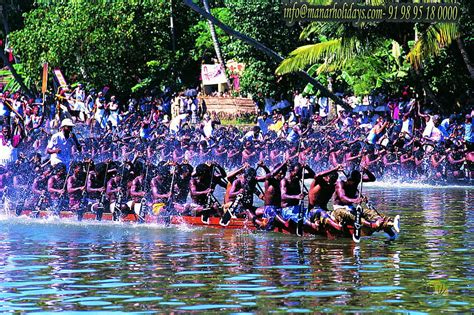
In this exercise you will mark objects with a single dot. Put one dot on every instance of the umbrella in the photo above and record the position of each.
(362, 108)
(190, 92)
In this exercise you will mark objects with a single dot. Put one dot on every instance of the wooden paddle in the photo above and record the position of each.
(302, 210)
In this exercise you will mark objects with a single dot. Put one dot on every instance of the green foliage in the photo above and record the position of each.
(104, 44)
(12, 84)
(128, 46)
(203, 46)
(384, 69)
(262, 21)
(432, 41)
(447, 76)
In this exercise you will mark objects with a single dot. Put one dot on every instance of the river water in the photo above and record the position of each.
(48, 266)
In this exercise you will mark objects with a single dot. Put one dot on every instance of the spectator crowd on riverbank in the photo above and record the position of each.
(395, 137)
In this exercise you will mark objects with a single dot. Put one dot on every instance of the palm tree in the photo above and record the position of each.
(335, 53)
(272, 54)
(348, 43)
(215, 40)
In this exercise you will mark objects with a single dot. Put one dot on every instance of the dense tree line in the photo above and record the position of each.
(129, 46)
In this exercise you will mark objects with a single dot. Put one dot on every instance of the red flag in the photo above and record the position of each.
(10, 55)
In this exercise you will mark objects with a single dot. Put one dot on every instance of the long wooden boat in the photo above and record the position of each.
(214, 222)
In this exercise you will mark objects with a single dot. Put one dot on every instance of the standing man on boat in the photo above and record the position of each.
(61, 144)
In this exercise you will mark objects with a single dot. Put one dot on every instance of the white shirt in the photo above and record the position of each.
(264, 124)
(8, 153)
(208, 129)
(436, 134)
(282, 104)
(4, 109)
(407, 126)
(297, 100)
(323, 106)
(250, 135)
(269, 104)
(176, 122)
(429, 127)
(59, 141)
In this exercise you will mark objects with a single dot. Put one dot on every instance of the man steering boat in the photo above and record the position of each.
(347, 196)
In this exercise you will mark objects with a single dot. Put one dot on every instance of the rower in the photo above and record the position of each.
(249, 154)
(76, 184)
(272, 196)
(182, 186)
(183, 177)
(138, 191)
(455, 160)
(95, 184)
(220, 153)
(245, 186)
(347, 195)
(202, 185)
(56, 189)
(291, 193)
(320, 192)
(39, 188)
(116, 190)
(276, 153)
(160, 190)
(20, 186)
(231, 177)
(437, 160)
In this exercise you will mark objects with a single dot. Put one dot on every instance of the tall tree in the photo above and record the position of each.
(117, 43)
(215, 40)
(5, 9)
(269, 52)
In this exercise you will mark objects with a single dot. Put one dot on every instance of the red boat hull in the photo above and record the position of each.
(238, 223)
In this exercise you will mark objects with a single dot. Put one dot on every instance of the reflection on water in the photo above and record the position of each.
(110, 267)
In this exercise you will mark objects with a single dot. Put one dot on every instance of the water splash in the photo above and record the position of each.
(397, 184)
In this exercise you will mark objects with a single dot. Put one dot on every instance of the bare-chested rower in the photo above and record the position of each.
(320, 192)
(272, 196)
(291, 193)
(347, 195)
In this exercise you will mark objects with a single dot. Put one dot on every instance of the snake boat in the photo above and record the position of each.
(213, 222)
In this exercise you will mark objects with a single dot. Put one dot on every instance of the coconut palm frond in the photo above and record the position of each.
(432, 41)
(374, 2)
(331, 67)
(330, 30)
(319, 2)
(316, 28)
(307, 55)
(310, 29)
